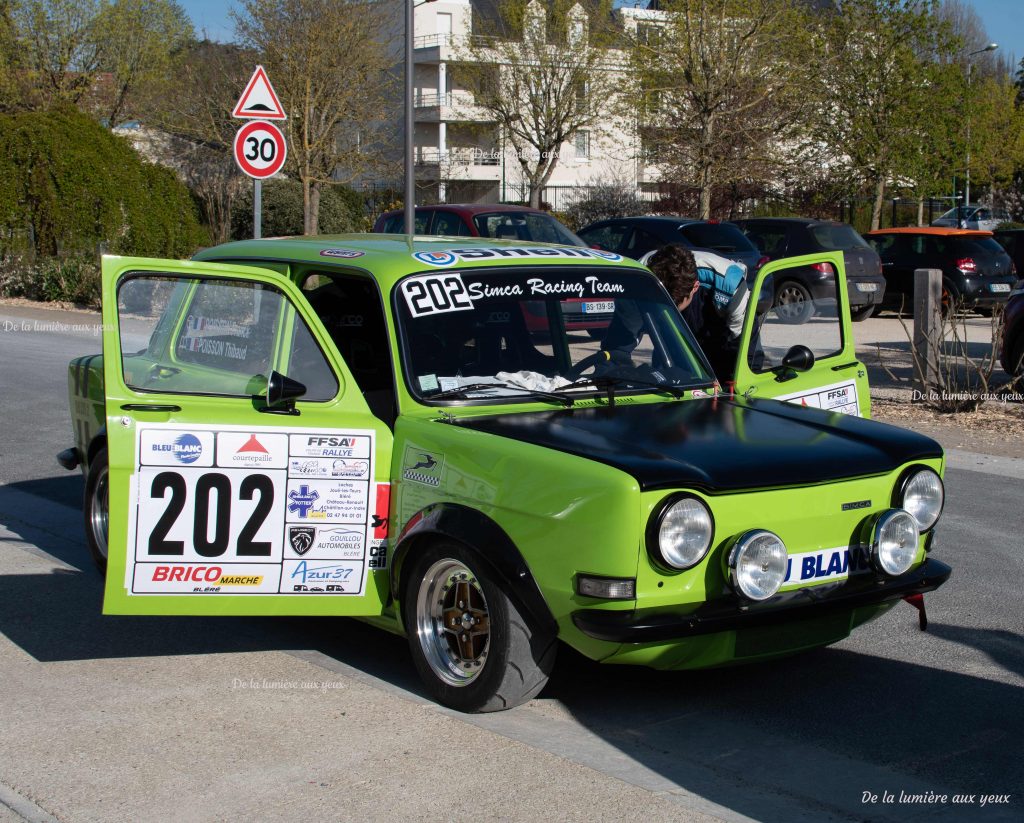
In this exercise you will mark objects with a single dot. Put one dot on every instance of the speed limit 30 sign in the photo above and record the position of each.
(260, 149)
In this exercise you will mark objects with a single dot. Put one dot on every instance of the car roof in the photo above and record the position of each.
(388, 257)
(796, 221)
(941, 230)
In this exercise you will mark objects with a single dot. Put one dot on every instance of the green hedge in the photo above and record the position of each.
(68, 186)
(341, 210)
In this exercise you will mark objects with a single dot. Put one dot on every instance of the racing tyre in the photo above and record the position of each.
(96, 507)
(863, 313)
(793, 303)
(472, 646)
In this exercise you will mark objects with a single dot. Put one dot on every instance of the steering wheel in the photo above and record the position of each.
(587, 362)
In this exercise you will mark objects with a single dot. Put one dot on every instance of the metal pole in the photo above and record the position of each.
(410, 170)
(257, 209)
(967, 184)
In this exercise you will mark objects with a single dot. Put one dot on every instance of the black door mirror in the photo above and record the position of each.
(282, 391)
(798, 358)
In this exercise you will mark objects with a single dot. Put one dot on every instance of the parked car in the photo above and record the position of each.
(977, 273)
(1012, 355)
(972, 216)
(1012, 240)
(351, 426)
(778, 237)
(482, 220)
(636, 236)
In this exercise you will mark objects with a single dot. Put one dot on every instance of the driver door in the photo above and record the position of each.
(797, 343)
(247, 475)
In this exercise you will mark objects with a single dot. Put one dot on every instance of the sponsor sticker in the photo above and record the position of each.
(343, 254)
(840, 397)
(329, 467)
(821, 566)
(206, 578)
(451, 257)
(321, 577)
(170, 447)
(313, 444)
(327, 501)
(326, 542)
(269, 451)
(422, 466)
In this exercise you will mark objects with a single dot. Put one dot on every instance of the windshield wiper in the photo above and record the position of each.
(604, 382)
(461, 391)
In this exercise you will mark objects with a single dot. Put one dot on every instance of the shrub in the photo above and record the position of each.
(73, 279)
(602, 201)
(341, 210)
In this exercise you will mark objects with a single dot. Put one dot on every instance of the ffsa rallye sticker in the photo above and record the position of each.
(839, 397)
(231, 510)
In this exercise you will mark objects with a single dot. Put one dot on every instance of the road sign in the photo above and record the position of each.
(260, 149)
(259, 101)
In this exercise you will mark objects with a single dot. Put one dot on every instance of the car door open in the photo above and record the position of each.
(808, 357)
(247, 475)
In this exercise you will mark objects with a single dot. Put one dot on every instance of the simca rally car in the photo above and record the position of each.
(379, 426)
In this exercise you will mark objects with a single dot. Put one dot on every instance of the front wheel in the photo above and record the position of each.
(96, 507)
(472, 646)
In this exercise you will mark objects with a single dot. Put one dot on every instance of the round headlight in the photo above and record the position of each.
(895, 541)
(922, 495)
(758, 564)
(685, 530)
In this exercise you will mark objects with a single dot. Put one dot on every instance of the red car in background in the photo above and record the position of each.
(504, 222)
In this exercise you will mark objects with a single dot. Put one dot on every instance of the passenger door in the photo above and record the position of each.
(247, 475)
(773, 358)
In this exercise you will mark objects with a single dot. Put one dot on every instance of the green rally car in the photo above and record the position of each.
(490, 447)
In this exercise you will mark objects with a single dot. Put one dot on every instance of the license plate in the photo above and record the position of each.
(868, 287)
(999, 287)
(602, 307)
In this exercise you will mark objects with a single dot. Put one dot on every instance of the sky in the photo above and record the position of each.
(1004, 20)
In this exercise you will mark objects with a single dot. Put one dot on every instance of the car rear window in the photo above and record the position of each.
(717, 237)
(837, 237)
(977, 245)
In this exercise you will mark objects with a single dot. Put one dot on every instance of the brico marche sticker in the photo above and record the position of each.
(226, 510)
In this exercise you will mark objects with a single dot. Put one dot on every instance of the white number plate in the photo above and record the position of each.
(867, 287)
(1000, 287)
(602, 307)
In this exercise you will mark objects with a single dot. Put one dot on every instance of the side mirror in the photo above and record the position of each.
(282, 391)
(798, 358)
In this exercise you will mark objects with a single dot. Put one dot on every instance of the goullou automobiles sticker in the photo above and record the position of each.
(232, 510)
(839, 397)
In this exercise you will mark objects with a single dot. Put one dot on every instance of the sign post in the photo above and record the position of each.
(260, 148)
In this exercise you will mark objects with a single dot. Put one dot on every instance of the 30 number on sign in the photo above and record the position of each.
(260, 149)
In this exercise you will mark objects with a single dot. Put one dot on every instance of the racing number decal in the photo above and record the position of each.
(436, 293)
(235, 511)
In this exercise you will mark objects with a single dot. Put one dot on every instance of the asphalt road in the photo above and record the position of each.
(122, 718)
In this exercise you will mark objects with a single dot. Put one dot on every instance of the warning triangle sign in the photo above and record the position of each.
(259, 101)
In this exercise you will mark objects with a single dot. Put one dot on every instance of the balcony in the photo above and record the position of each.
(440, 48)
(459, 162)
(453, 106)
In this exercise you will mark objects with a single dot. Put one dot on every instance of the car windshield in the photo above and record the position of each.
(837, 237)
(529, 226)
(720, 237)
(520, 333)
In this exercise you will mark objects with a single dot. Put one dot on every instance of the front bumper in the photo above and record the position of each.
(733, 613)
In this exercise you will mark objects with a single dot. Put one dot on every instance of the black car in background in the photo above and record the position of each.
(777, 237)
(1012, 355)
(976, 272)
(1012, 240)
(636, 236)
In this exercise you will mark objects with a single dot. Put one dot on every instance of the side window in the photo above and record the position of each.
(608, 238)
(394, 225)
(215, 336)
(769, 241)
(449, 224)
(642, 242)
(814, 323)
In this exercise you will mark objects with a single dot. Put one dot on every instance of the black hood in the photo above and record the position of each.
(718, 445)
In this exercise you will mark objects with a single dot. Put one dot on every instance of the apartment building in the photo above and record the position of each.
(461, 153)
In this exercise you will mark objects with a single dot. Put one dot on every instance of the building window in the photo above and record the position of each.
(582, 145)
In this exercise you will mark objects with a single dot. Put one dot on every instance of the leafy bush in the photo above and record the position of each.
(603, 201)
(68, 186)
(73, 279)
(341, 210)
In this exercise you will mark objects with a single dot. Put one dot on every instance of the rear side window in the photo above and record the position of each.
(977, 245)
(769, 240)
(396, 223)
(720, 237)
(524, 226)
(608, 238)
(449, 224)
(837, 237)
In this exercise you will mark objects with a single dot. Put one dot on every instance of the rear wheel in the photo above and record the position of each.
(96, 507)
(473, 648)
(793, 302)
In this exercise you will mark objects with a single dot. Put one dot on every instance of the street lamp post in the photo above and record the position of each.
(410, 168)
(970, 66)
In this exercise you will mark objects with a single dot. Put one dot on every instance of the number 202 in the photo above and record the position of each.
(435, 294)
(205, 546)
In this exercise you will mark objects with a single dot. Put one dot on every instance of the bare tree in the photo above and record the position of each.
(327, 59)
(544, 73)
(722, 86)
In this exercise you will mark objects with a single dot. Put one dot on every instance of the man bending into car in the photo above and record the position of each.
(711, 294)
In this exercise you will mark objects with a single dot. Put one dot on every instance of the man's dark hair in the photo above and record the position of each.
(675, 267)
